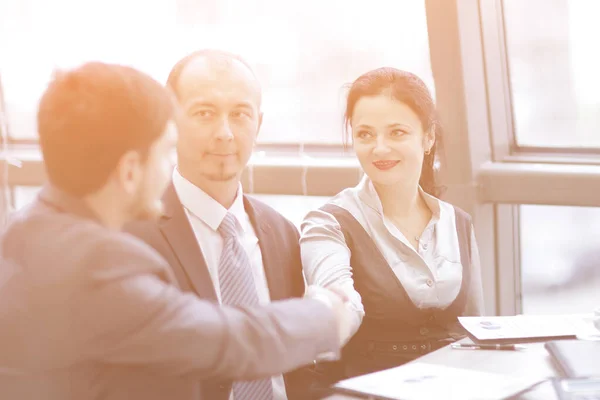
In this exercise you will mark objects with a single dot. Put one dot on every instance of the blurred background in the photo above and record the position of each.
(516, 82)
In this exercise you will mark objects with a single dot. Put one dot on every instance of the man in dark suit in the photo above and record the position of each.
(88, 312)
(220, 99)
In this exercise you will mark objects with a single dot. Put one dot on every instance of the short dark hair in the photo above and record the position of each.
(409, 89)
(90, 116)
(212, 54)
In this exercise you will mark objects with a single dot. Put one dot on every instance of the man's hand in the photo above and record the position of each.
(339, 302)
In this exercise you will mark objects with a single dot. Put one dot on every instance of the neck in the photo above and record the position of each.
(223, 192)
(108, 209)
(398, 201)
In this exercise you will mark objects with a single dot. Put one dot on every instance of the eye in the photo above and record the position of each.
(241, 114)
(397, 133)
(364, 134)
(204, 114)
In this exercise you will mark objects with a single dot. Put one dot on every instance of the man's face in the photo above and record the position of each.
(220, 120)
(156, 174)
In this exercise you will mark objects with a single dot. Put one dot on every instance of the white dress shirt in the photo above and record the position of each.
(431, 273)
(205, 215)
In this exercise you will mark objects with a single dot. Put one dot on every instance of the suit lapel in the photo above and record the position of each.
(178, 232)
(269, 248)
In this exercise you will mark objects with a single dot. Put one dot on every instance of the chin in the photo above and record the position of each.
(224, 175)
(384, 177)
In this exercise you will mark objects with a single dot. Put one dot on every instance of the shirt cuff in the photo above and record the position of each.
(320, 294)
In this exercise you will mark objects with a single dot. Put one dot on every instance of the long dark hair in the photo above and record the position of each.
(409, 89)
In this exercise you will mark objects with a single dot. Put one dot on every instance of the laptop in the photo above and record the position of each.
(576, 358)
(577, 388)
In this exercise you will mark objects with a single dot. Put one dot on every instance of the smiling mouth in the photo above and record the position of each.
(222, 155)
(385, 164)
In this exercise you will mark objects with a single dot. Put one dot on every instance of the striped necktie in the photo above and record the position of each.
(238, 289)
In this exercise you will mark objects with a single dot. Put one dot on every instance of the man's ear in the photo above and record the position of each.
(260, 120)
(429, 139)
(129, 171)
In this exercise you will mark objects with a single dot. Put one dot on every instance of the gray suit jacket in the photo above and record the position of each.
(172, 236)
(88, 313)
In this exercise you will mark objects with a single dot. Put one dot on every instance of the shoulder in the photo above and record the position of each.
(47, 230)
(123, 243)
(331, 215)
(345, 204)
(62, 236)
(118, 255)
(144, 230)
(108, 249)
(61, 252)
(268, 214)
(455, 213)
(347, 198)
(462, 217)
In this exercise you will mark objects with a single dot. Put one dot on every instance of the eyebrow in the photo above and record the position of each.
(208, 104)
(393, 125)
(200, 103)
(244, 104)
(399, 125)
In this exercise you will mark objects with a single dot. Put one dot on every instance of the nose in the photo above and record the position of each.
(224, 131)
(381, 146)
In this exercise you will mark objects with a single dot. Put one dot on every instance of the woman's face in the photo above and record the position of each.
(389, 140)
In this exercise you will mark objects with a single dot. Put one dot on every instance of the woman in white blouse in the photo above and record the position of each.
(407, 260)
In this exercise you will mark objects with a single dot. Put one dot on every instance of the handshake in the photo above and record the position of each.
(347, 317)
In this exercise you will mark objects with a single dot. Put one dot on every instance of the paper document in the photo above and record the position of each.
(424, 381)
(529, 326)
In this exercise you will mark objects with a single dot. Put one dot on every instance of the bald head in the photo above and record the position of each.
(214, 64)
(220, 100)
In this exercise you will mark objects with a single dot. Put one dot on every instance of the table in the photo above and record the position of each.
(533, 361)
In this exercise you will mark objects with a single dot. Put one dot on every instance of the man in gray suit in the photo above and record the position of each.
(88, 312)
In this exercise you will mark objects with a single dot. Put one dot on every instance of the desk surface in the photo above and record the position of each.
(534, 361)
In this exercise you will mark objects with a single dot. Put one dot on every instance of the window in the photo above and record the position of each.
(507, 72)
(23, 195)
(560, 259)
(304, 52)
(553, 62)
(531, 116)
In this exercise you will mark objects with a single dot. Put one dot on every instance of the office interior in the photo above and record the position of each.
(516, 84)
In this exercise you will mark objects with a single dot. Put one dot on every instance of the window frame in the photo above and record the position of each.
(305, 173)
(505, 144)
(521, 174)
(485, 174)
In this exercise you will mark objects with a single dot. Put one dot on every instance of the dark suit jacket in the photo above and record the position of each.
(89, 313)
(174, 238)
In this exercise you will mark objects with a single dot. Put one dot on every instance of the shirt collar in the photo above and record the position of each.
(369, 196)
(204, 207)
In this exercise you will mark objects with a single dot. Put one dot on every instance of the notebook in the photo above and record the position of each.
(576, 358)
(423, 381)
(528, 328)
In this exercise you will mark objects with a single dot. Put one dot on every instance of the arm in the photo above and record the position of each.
(299, 286)
(129, 314)
(326, 261)
(475, 305)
